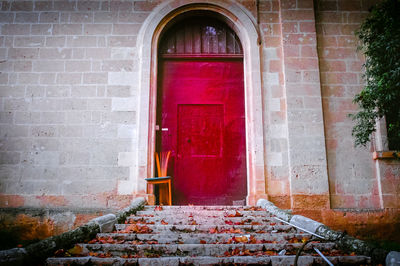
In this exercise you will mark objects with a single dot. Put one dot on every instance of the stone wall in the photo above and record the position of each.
(72, 83)
(68, 101)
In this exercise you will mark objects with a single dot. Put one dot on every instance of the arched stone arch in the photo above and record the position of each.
(243, 24)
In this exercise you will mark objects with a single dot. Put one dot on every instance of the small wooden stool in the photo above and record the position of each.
(162, 180)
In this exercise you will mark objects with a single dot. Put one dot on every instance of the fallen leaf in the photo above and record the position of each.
(203, 242)
(76, 250)
(164, 222)
(59, 253)
(158, 208)
(213, 230)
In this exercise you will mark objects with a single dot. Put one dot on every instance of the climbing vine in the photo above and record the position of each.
(379, 38)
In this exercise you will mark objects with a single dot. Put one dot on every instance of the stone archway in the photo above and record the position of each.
(242, 22)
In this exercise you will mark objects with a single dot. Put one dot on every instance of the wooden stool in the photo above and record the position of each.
(162, 180)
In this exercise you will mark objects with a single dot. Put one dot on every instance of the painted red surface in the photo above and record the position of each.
(201, 120)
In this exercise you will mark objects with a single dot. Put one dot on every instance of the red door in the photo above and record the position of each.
(201, 120)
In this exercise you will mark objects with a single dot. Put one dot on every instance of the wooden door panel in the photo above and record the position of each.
(201, 113)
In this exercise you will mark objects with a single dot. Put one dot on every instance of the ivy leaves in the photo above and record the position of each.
(380, 43)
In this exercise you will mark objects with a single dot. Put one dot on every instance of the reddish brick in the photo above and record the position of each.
(265, 6)
(272, 41)
(349, 29)
(349, 5)
(290, 27)
(126, 29)
(332, 66)
(88, 5)
(339, 53)
(275, 5)
(13, 201)
(356, 17)
(269, 17)
(288, 4)
(292, 50)
(339, 78)
(297, 39)
(354, 66)
(275, 65)
(367, 4)
(327, 5)
(308, 51)
(330, 29)
(307, 27)
(297, 15)
(326, 41)
(121, 6)
(47, 201)
(22, 6)
(329, 17)
(43, 5)
(301, 63)
(64, 5)
(305, 4)
(310, 202)
(347, 41)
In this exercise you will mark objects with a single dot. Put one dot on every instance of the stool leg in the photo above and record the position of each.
(169, 192)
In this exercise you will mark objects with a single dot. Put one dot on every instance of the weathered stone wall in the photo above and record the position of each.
(71, 87)
(355, 179)
(68, 101)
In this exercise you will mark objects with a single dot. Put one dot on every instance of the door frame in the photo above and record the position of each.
(244, 24)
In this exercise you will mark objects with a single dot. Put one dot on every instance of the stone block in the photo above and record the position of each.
(126, 131)
(95, 78)
(126, 29)
(126, 158)
(105, 222)
(305, 223)
(82, 41)
(49, 17)
(41, 29)
(122, 78)
(97, 29)
(121, 41)
(123, 104)
(48, 66)
(55, 41)
(393, 258)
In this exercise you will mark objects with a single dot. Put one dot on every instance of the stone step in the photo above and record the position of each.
(203, 208)
(147, 250)
(210, 228)
(205, 238)
(203, 235)
(207, 260)
(184, 219)
(200, 213)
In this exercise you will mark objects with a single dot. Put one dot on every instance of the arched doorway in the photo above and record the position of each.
(200, 110)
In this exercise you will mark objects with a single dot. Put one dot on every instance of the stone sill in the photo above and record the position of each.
(386, 155)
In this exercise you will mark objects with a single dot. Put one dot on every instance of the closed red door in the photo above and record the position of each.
(201, 120)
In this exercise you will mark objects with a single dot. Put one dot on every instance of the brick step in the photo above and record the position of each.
(206, 260)
(167, 250)
(184, 219)
(183, 238)
(204, 228)
(200, 213)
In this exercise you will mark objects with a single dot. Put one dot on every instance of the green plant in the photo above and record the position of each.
(380, 42)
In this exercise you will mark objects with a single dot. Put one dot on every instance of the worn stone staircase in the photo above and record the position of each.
(202, 235)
